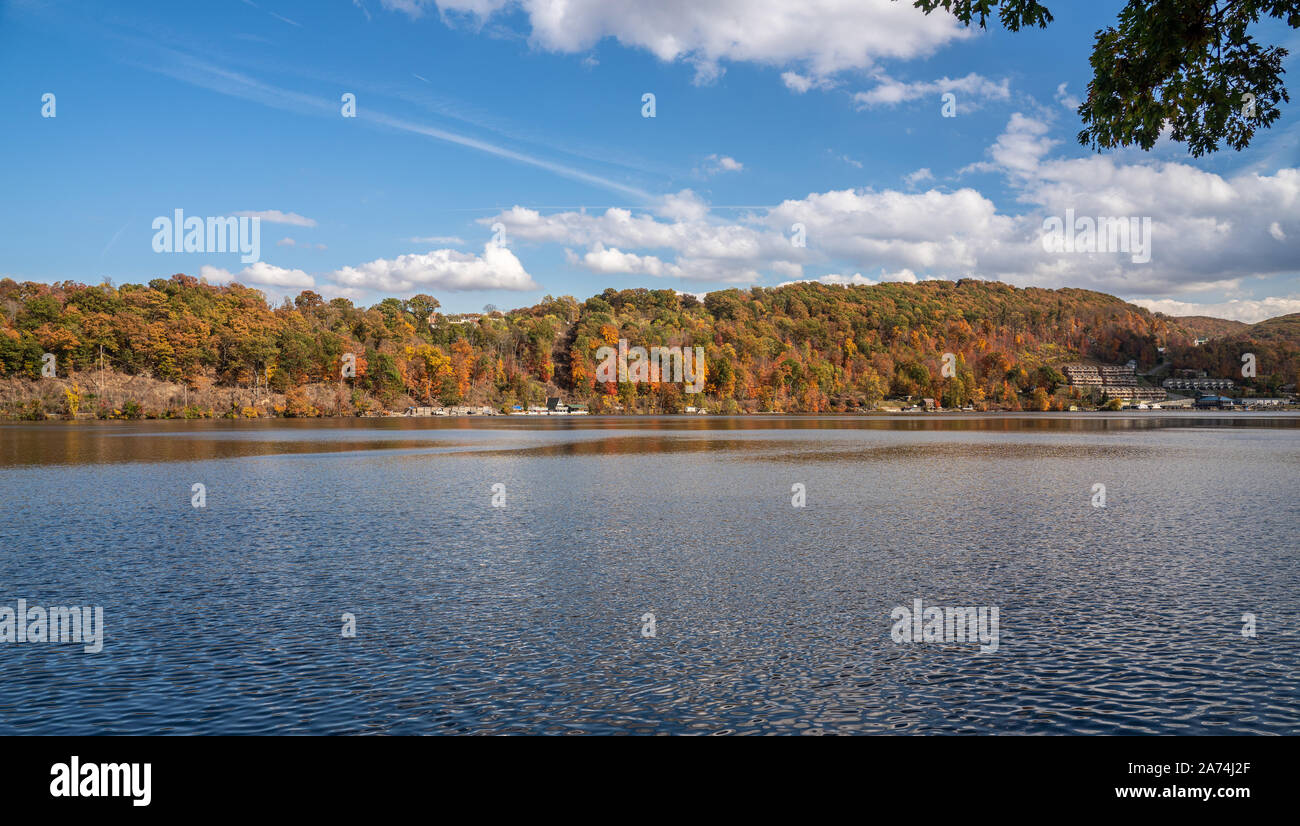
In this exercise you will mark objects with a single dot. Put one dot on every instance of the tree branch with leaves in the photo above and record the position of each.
(1189, 66)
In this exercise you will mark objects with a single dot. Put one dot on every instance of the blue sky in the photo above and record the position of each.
(528, 115)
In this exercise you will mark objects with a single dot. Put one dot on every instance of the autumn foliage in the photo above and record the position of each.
(799, 348)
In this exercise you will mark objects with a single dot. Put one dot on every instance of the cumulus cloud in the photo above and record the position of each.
(215, 275)
(259, 274)
(445, 269)
(605, 261)
(837, 280)
(1018, 149)
(972, 87)
(1247, 310)
(721, 163)
(275, 216)
(618, 241)
(858, 279)
(821, 37)
(613, 261)
(1066, 99)
(799, 84)
(922, 174)
(1207, 231)
(787, 269)
(682, 206)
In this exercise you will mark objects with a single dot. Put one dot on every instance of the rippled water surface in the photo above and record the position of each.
(768, 618)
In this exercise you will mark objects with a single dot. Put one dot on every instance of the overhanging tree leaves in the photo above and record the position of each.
(1013, 13)
(1190, 64)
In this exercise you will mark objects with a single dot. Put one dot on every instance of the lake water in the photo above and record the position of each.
(470, 618)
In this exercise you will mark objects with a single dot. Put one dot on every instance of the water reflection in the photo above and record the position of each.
(47, 443)
(770, 618)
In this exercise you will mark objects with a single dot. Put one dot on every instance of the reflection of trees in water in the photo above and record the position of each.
(178, 441)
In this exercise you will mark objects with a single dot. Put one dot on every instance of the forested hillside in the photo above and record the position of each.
(1203, 326)
(204, 350)
(1275, 343)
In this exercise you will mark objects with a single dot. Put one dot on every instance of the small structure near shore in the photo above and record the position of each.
(1209, 402)
(459, 410)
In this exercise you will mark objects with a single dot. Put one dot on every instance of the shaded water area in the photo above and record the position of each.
(768, 618)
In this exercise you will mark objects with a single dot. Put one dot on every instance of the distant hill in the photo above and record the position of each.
(1281, 328)
(804, 347)
(1274, 343)
(1204, 326)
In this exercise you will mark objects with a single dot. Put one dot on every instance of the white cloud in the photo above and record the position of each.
(820, 36)
(721, 163)
(275, 216)
(836, 280)
(682, 206)
(1207, 232)
(1066, 99)
(496, 269)
(1249, 311)
(259, 274)
(706, 250)
(612, 260)
(857, 279)
(890, 92)
(904, 275)
(1018, 149)
(415, 8)
(922, 174)
(215, 275)
(799, 84)
(332, 291)
(796, 82)
(787, 269)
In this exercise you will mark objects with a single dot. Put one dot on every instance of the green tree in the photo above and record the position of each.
(1039, 400)
(1192, 64)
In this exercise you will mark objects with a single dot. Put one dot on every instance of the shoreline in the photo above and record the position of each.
(1289, 411)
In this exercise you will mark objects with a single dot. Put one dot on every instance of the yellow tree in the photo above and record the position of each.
(462, 362)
